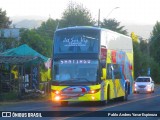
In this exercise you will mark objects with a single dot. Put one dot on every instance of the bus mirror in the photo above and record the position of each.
(103, 74)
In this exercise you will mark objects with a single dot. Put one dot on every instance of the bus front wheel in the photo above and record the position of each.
(108, 97)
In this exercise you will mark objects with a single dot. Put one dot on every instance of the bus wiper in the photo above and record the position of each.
(75, 80)
(65, 81)
(82, 79)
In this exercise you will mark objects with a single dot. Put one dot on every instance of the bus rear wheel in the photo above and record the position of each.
(125, 97)
(64, 103)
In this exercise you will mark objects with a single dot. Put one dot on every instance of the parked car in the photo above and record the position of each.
(144, 84)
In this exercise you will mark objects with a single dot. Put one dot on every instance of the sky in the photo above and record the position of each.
(141, 12)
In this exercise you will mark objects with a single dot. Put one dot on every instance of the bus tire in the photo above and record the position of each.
(108, 94)
(126, 92)
(64, 103)
(101, 103)
(125, 97)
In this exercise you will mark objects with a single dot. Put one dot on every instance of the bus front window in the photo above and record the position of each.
(79, 41)
(76, 70)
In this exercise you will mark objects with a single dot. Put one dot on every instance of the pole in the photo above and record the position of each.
(99, 18)
(99, 12)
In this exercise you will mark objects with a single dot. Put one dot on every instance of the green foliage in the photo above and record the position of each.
(155, 51)
(8, 96)
(155, 43)
(76, 15)
(4, 20)
(155, 70)
(8, 43)
(37, 42)
(144, 47)
(113, 25)
(47, 28)
(137, 59)
(142, 61)
(156, 29)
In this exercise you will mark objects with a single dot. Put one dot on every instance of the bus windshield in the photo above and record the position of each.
(76, 41)
(75, 71)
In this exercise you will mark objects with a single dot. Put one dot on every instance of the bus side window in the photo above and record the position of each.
(117, 71)
(109, 71)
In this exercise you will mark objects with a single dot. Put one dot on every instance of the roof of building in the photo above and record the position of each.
(19, 59)
(20, 55)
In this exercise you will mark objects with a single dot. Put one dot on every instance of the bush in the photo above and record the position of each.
(8, 96)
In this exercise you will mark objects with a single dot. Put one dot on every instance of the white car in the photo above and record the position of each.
(144, 84)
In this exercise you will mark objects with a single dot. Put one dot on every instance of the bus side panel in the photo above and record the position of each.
(125, 64)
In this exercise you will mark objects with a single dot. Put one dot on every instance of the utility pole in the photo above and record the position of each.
(99, 18)
(99, 12)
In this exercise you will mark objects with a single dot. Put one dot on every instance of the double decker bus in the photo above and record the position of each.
(91, 64)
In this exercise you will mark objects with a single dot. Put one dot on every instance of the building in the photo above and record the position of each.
(10, 33)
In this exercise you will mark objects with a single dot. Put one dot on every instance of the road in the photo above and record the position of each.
(136, 102)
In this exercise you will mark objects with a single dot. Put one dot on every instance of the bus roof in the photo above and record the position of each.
(115, 40)
(79, 28)
(88, 28)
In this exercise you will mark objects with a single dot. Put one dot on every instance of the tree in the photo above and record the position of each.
(8, 43)
(155, 42)
(37, 42)
(113, 25)
(155, 50)
(143, 61)
(47, 28)
(144, 47)
(76, 15)
(4, 20)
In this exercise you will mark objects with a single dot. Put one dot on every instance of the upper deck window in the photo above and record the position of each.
(76, 41)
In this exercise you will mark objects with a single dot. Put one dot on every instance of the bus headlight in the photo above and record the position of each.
(56, 92)
(93, 91)
(57, 98)
(93, 98)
